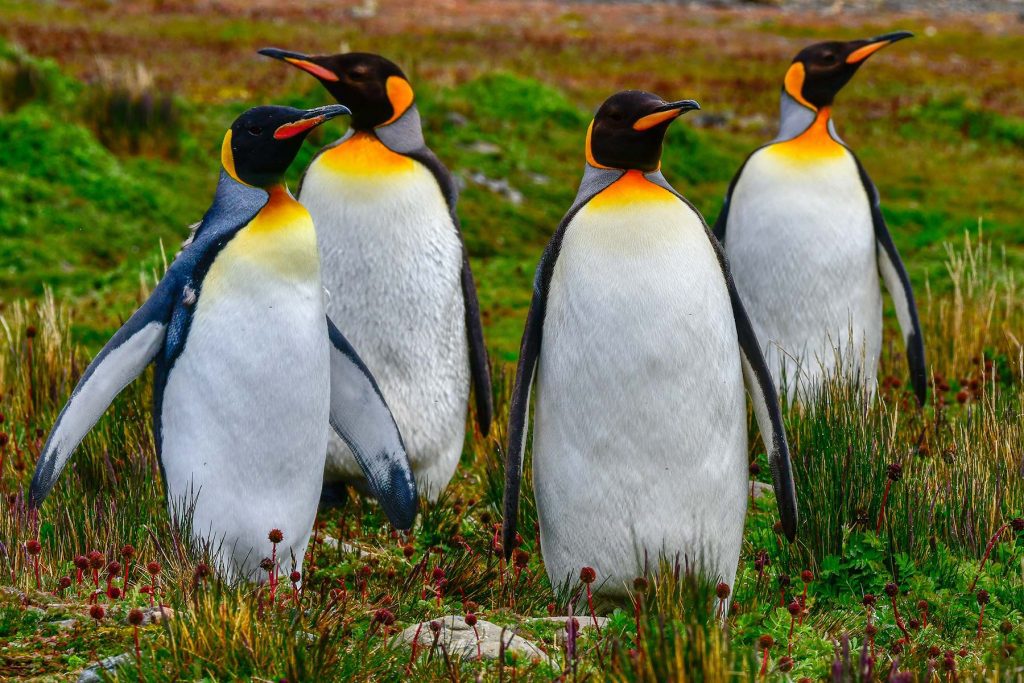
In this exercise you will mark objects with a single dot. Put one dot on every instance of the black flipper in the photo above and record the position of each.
(362, 419)
(894, 274)
(151, 333)
(594, 180)
(723, 215)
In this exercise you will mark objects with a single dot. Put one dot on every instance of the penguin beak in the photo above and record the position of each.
(311, 118)
(665, 112)
(865, 48)
(304, 62)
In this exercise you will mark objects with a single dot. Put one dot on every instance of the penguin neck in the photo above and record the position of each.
(796, 118)
(404, 135)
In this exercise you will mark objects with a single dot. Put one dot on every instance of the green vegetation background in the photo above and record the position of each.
(936, 121)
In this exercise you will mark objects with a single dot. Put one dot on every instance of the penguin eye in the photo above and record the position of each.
(828, 59)
(358, 74)
(255, 130)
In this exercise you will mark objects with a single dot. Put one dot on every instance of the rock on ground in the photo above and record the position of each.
(459, 639)
(92, 674)
(585, 622)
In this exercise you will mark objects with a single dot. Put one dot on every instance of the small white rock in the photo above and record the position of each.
(459, 639)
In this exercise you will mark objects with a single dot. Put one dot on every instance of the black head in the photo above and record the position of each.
(820, 71)
(262, 143)
(629, 128)
(373, 87)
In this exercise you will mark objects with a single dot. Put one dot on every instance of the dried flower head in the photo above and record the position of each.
(64, 583)
(95, 559)
(722, 590)
(81, 562)
(922, 605)
(1018, 524)
(113, 569)
(871, 630)
(384, 616)
(983, 597)
(765, 642)
(267, 564)
(754, 469)
(783, 580)
(786, 664)
(127, 552)
(135, 617)
(408, 550)
(470, 619)
(794, 608)
(640, 584)
(807, 576)
(435, 627)
(97, 612)
(891, 589)
(113, 592)
(295, 576)
(588, 575)
(202, 571)
(275, 536)
(894, 471)
(520, 558)
(153, 568)
(33, 547)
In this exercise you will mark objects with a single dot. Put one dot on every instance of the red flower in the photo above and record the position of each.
(275, 536)
(135, 617)
(588, 575)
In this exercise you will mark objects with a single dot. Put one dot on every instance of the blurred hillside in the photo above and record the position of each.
(111, 116)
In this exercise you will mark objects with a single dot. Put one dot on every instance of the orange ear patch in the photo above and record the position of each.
(227, 157)
(652, 120)
(290, 130)
(863, 53)
(315, 69)
(794, 84)
(590, 154)
(400, 95)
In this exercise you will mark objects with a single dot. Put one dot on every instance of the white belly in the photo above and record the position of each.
(801, 244)
(392, 262)
(245, 413)
(640, 449)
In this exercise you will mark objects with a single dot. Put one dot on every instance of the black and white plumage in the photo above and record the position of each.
(249, 370)
(807, 239)
(640, 350)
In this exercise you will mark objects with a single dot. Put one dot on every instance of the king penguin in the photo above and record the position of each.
(640, 349)
(807, 240)
(249, 369)
(384, 209)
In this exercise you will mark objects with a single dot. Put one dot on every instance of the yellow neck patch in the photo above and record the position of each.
(814, 144)
(227, 157)
(400, 95)
(631, 189)
(794, 84)
(280, 238)
(364, 155)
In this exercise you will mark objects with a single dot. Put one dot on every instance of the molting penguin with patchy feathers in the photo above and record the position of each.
(807, 240)
(249, 369)
(640, 350)
(384, 209)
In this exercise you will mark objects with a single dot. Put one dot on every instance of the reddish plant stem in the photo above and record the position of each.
(988, 550)
(803, 605)
(764, 664)
(885, 499)
(415, 642)
(981, 617)
(899, 619)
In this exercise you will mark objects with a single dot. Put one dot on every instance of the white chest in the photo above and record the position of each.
(640, 442)
(392, 262)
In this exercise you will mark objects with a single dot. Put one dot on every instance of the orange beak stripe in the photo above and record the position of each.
(290, 130)
(863, 53)
(652, 120)
(315, 69)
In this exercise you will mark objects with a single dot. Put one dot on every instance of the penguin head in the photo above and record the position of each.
(629, 128)
(373, 87)
(821, 70)
(262, 143)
